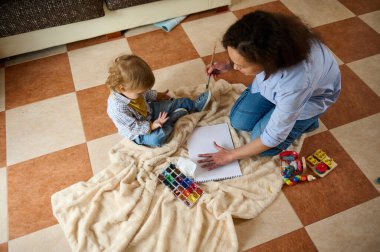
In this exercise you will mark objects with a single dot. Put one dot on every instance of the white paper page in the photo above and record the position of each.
(202, 141)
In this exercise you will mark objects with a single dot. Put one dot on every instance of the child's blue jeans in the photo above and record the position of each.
(251, 112)
(159, 136)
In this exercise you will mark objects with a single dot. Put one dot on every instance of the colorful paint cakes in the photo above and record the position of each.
(181, 186)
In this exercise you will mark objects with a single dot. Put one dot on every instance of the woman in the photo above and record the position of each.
(297, 79)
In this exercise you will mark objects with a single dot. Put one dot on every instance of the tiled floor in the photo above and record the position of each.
(54, 130)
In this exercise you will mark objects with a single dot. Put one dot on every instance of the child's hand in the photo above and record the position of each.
(160, 121)
(163, 95)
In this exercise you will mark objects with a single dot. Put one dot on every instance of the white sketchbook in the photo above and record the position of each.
(202, 141)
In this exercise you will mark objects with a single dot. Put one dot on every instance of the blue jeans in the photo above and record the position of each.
(251, 112)
(159, 136)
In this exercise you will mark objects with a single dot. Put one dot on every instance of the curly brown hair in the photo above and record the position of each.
(272, 40)
(129, 72)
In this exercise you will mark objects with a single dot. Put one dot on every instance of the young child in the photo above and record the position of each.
(140, 114)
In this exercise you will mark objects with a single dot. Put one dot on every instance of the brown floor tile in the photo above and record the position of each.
(114, 35)
(2, 140)
(297, 240)
(4, 247)
(161, 49)
(231, 76)
(86, 42)
(93, 108)
(362, 6)
(356, 101)
(93, 41)
(37, 80)
(31, 184)
(350, 39)
(344, 187)
(275, 6)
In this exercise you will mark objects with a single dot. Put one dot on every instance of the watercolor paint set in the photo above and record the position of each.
(183, 187)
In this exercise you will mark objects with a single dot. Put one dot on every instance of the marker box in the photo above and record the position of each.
(183, 187)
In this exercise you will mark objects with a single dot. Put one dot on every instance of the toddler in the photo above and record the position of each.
(141, 114)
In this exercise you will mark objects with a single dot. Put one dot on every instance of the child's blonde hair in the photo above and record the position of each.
(129, 72)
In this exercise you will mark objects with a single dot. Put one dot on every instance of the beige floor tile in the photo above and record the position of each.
(36, 55)
(3, 206)
(48, 239)
(189, 73)
(356, 229)
(98, 151)
(316, 13)
(90, 65)
(278, 219)
(372, 19)
(368, 70)
(140, 30)
(241, 4)
(361, 139)
(205, 32)
(43, 127)
(2, 90)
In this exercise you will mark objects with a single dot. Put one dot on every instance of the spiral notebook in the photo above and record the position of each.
(202, 141)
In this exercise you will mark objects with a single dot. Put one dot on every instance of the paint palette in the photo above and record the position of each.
(184, 188)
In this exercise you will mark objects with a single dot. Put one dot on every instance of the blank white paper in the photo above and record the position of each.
(202, 141)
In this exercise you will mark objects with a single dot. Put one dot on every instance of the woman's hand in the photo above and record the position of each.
(218, 68)
(160, 121)
(163, 95)
(214, 160)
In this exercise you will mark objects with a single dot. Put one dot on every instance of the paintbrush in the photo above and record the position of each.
(212, 62)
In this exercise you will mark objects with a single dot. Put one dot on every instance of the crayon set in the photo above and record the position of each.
(184, 188)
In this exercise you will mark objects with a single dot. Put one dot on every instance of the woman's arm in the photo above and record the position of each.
(224, 156)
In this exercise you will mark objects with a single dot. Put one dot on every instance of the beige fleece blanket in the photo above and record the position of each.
(125, 208)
